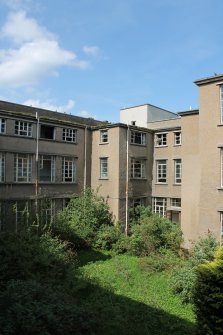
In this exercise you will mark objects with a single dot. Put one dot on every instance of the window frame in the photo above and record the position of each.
(70, 175)
(23, 128)
(178, 174)
(162, 141)
(177, 138)
(138, 137)
(47, 126)
(52, 159)
(161, 171)
(103, 136)
(2, 125)
(161, 208)
(22, 168)
(175, 202)
(103, 167)
(2, 167)
(69, 135)
(138, 172)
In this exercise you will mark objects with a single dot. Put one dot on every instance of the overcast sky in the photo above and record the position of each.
(93, 57)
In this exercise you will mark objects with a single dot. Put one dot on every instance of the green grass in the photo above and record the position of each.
(127, 300)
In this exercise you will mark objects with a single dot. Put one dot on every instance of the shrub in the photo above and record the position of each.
(107, 236)
(208, 296)
(84, 215)
(32, 308)
(151, 232)
(204, 248)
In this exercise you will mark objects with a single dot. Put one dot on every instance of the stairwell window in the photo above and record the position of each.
(138, 137)
(2, 126)
(178, 171)
(159, 206)
(2, 167)
(221, 102)
(23, 128)
(69, 169)
(177, 138)
(160, 139)
(161, 170)
(104, 168)
(22, 167)
(47, 168)
(138, 168)
(104, 136)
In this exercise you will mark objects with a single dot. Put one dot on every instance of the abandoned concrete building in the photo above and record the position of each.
(170, 161)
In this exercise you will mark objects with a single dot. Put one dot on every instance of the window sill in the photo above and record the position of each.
(177, 145)
(161, 146)
(161, 183)
(138, 144)
(220, 188)
(103, 178)
(102, 143)
(177, 184)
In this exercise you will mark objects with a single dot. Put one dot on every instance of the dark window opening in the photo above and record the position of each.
(47, 132)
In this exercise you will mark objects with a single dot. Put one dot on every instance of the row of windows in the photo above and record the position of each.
(23, 168)
(161, 171)
(137, 137)
(138, 168)
(23, 128)
(161, 139)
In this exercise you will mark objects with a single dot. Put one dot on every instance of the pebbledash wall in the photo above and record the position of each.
(172, 162)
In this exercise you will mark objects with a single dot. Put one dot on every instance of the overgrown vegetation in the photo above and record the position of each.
(53, 281)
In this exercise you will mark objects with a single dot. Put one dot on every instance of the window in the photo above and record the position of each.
(2, 126)
(175, 202)
(138, 168)
(178, 170)
(47, 211)
(104, 168)
(2, 167)
(177, 138)
(161, 167)
(221, 222)
(47, 168)
(161, 140)
(104, 136)
(23, 128)
(138, 137)
(137, 202)
(21, 213)
(70, 135)
(22, 168)
(159, 206)
(46, 132)
(221, 102)
(69, 169)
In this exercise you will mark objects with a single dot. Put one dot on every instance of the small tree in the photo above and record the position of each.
(208, 296)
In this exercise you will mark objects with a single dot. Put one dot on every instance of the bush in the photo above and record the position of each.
(32, 308)
(107, 236)
(208, 296)
(183, 279)
(80, 221)
(160, 261)
(151, 232)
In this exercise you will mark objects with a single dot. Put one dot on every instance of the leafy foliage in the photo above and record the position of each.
(208, 296)
(80, 221)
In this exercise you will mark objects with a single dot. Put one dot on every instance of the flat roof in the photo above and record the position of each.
(190, 112)
(147, 105)
(209, 80)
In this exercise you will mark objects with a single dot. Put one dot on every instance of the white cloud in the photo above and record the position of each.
(37, 53)
(86, 114)
(49, 105)
(91, 50)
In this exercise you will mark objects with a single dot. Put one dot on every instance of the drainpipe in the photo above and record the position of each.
(37, 163)
(127, 184)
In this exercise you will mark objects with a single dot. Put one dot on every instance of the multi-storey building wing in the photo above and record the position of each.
(172, 162)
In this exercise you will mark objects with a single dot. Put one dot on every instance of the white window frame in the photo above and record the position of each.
(138, 137)
(52, 168)
(175, 202)
(159, 206)
(2, 167)
(138, 168)
(70, 135)
(160, 139)
(221, 102)
(178, 171)
(47, 210)
(23, 128)
(103, 167)
(177, 138)
(69, 169)
(161, 171)
(2, 126)
(22, 168)
(104, 136)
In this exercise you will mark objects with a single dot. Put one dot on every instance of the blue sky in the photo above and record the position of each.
(93, 57)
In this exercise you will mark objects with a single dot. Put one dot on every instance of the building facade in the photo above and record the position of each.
(172, 162)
